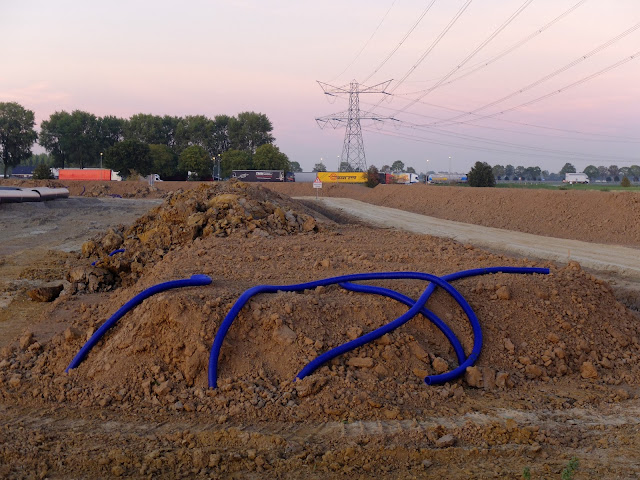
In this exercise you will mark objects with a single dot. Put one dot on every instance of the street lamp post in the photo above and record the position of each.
(100, 159)
(449, 164)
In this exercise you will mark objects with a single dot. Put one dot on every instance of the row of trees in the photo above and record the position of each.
(168, 145)
(610, 173)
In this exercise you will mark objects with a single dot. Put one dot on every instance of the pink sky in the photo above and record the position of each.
(201, 57)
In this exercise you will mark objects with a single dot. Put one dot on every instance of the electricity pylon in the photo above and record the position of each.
(353, 157)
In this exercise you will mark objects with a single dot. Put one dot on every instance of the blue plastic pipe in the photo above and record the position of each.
(377, 333)
(119, 250)
(194, 281)
(414, 310)
(386, 292)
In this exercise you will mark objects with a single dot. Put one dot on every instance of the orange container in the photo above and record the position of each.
(84, 174)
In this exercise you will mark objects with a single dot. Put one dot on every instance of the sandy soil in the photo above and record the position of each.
(591, 216)
(557, 378)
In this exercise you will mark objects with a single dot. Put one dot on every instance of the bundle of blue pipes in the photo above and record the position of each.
(347, 282)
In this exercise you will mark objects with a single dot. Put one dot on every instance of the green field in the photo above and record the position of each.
(604, 187)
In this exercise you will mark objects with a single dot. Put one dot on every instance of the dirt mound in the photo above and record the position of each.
(222, 210)
(590, 216)
(558, 342)
(538, 329)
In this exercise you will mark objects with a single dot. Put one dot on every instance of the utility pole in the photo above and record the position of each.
(353, 147)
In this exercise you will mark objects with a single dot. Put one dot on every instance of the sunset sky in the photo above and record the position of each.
(213, 57)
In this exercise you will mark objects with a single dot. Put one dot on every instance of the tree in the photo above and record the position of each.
(602, 171)
(319, 167)
(592, 172)
(498, 171)
(295, 167)
(269, 157)
(481, 175)
(152, 129)
(397, 166)
(42, 172)
(249, 131)
(196, 160)
(568, 168)
(164, 160)
(625, 182)
(613, 170)
(235, 160)
(410, 170)
(110, 131)
(195, 130)
(509, 170)
(129, 156)
(519, 172)
(72, 138)
(345, 167)
(17, 134)
(634, 171)
(372, 177)
(385, 169)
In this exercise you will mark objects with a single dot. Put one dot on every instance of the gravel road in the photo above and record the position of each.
(620, 261)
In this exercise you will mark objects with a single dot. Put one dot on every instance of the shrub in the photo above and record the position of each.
(481, 175)
(372, 177)
(43, 172)
(625, 182)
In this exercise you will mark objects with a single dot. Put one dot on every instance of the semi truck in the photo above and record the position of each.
(404, 178)
(447, 178)
(263, 175)
(572, 178)
(88, 174)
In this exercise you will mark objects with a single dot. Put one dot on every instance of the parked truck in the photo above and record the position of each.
(572, 178)
(88, 174)
(404, 178)
(447, 178)
(263, 175)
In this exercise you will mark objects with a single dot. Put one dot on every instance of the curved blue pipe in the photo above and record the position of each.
(432, 379)
(415, 309)
(386, 292)
(193, 281)
(119, 250)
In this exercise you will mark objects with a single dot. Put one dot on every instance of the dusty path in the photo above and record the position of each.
(622, 261)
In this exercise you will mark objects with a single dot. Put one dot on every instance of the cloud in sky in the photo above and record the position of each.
(202, 57)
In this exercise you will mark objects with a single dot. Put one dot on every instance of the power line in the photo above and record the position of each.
(433, 44)
(486, 63)
(556, 92)
(513, 16)
(572, 64)
(366, 43)
(570, 156)
(424, 12)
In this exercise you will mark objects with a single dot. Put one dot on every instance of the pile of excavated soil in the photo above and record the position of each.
(591, 216)
(559, 341)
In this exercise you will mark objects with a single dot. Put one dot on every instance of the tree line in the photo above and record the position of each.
(144, 143)
(610, 173)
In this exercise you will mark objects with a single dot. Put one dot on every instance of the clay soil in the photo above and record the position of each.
(557, 378)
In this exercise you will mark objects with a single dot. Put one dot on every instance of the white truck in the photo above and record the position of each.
(572, 178)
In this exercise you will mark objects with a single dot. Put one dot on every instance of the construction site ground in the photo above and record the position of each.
(556, 384)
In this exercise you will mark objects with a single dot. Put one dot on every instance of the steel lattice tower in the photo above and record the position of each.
(353, 147)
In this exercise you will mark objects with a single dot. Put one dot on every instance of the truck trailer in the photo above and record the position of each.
(88, 174)
(263, 175)
(572, 178)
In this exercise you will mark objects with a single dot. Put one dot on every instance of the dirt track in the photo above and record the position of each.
(622, 261)
(558, 376)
